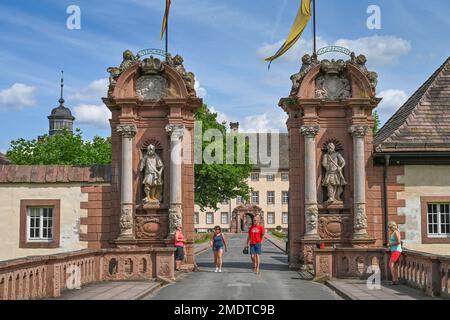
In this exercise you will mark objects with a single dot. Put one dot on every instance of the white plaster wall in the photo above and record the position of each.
(70, 196)
(420, 181)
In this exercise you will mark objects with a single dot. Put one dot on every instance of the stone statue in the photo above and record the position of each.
(189, 79)
(153, 167)
(128, 60)
(334, 180)
(177, 62)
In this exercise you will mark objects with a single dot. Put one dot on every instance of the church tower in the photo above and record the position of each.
(61, 118)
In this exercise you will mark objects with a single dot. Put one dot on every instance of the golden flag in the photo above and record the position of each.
(166, 18)
(302, 19)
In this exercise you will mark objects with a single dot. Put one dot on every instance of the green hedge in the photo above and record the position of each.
(202, 237)
(279, 234)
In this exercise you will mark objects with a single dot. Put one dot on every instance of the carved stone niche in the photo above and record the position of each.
(333, 83)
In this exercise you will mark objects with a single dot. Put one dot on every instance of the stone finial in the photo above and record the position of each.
(127, 130)
(359, 131)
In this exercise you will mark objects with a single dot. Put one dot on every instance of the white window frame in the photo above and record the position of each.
(255, 194)
(270, 178)
(222, 215)
(270, 197)
(269, 215)
(39, 212)
(254, 176)
(441, 217)
(284, 176)
(285, 197)
(196, 218)
(283, 216)
(210, 214)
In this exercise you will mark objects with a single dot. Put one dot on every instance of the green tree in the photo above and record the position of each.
(64, 148)
(377, 124)
(215, 182)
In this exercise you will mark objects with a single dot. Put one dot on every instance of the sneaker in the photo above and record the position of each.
(220, 270)
(217, 270)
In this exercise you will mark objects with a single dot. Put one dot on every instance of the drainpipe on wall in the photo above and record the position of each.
(385, 198)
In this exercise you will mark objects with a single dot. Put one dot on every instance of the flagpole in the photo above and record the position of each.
(314, 26)
(167, 31)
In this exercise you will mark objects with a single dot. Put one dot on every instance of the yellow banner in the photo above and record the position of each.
(300, 23)
(166, 18)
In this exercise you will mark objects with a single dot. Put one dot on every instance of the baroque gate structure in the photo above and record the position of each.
(330, 129)
(153, 104)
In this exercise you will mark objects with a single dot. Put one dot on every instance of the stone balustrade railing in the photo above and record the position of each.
(427, 272)
(48, 276)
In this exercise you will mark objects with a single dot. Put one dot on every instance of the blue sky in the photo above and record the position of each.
(223, 43)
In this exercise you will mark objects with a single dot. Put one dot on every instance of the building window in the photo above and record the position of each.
(196, 218)
(239, 200)
(438, 219)
(270, 177)
(285, 218)
(255, 197)
(285, 197)
(209, 218)
(285, 177)
(225, 201)
(270, 197)
(270, 217)
(255, 176)
(39, 224)
(224, 218)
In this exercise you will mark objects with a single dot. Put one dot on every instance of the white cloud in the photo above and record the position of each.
(93, 92)
(380, 50)
(17, 97)
(93, 115)
(392, 100)
(201, 92)
(264, 122)
(221, 117)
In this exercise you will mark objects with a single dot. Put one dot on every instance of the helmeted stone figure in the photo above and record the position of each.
(334, 180)
(153, 167)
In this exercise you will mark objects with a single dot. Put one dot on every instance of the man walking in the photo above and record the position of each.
(254, 240)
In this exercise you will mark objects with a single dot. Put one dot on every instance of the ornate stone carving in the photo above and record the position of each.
(152, 66)
(333, 83)
(312, 215)
(127, 130)
(149, 228)
(153, 167)
(188, 77)
(360, 218)
(333, 227)
(176, 131)
(126, 222)
(114, 74)
(310, 131)
(308, 63)
(129, 59)
(151, 88)
(360, 63)
(334, 180)
(359, 131)
(175, 218)
(306, 257)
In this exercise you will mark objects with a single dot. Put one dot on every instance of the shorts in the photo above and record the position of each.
(395, 255)
(255, 249)
(179, 253)
(218, 248)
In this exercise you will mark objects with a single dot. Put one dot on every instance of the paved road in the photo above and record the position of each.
(238, 281)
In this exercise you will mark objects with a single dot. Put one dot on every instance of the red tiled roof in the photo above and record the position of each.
(423, 122)
(3, 159)
(54, 174)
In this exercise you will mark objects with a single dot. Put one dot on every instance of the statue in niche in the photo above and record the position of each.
(334, 180)
(153, 167)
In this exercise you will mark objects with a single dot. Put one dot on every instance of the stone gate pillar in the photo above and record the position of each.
(127, 133)
(359, 181)
(176, 133)
(311, 210)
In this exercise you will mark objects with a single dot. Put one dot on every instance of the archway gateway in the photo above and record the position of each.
(243, 216)
(330, 128)
(153, 104)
